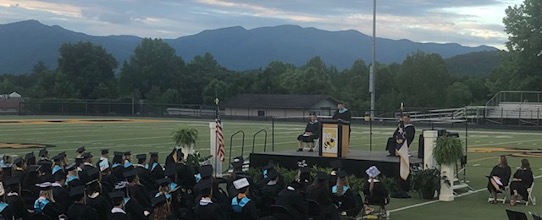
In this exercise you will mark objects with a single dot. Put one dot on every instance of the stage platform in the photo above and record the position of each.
(355, 163)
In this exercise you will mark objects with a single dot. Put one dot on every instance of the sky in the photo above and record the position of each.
(467, 22)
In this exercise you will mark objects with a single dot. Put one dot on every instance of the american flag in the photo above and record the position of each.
(219, 140)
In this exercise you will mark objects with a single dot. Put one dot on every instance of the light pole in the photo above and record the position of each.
(373, 64)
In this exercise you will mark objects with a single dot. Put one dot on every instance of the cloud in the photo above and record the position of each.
(468, 22)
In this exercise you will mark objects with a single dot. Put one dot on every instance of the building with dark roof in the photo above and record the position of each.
(263, 105)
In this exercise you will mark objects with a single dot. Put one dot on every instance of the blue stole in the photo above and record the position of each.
(115, 165)
(198, 177)
(154, 166)
(126, 200)
(343, 110)
(238, 206)
(172, 186)
(70, 178)
(334, 189)
(3, 206)
(39, 206)
(56, 169)
(127, 164)
(265, 174)
(167, 195)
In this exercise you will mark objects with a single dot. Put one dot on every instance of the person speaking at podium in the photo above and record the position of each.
(342, 113)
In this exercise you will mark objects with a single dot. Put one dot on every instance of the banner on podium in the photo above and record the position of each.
(330, 135)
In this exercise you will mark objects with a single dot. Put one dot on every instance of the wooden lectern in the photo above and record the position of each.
(334, 138)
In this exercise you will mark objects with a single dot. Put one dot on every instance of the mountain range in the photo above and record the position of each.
(25, 43)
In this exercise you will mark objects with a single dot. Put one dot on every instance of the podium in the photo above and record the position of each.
(334, 138)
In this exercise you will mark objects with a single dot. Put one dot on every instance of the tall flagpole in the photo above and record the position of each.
(373, 64)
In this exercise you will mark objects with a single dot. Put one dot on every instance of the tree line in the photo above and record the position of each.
(155, 73)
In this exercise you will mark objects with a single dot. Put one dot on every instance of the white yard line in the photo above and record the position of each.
(435, 201)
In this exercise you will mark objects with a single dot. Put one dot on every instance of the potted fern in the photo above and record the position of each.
(447, 152)
(426, 182)
(185, 138)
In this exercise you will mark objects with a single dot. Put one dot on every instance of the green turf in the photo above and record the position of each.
(143, 137)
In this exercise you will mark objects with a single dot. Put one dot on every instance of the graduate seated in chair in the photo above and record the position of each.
(342, 193)
(242, 207)
(499, 178)
(312, 132)
(521, 181)
(375, 192)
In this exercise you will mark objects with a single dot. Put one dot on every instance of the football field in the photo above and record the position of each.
(143, 135)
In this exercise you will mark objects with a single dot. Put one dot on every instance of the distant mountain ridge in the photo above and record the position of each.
(27, 42)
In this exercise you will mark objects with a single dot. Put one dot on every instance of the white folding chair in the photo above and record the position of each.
(504, 193)
(531, 198)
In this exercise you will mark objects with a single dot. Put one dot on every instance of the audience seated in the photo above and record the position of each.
(375, 192)
(521, 181)
(499, 178)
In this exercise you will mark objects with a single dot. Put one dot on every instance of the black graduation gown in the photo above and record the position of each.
(526, 177)
(118, 216)
(323, 198)
(108, 183)
(294, 202)
(18, 207)
(135, 210)
(79, 211)
(101, 204)
(271, 191)
(62, 197)
(503, 173)
(145, 177)
(345, 116)
(211, 211)
(6, 211)
(138, 193)
(379, 194)
(185, 176)
(52, 210)
(249, 211)
(157, 172)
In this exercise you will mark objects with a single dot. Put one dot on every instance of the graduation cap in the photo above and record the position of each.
(71, 167)
(62, 154)
(342, 174)
(121, 185)
(81, 149)
(127, 153)
(164, 181)
(87, 155)
(269, 166)
(153, 154)
(29, 156)
(57, 158)
(241, 183)
(44, 186)
(116, 197)
(104, 151)
(272, 174)
(372, 172)
(158, 200)
(238, 162)
(305, 169)
(129, 174)
(336, 164)
(141, 156)
(59, 175)
(206, 171)
(18, 161)
(296, 185)
(321, 176)
(117, 153)
(43, 152)
(77, 191)
(78, 160)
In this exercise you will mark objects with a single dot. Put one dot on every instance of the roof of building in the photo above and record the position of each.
(277, 101)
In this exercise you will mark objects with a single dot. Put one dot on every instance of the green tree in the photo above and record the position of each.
(154, 64)
(88, 68)
(216, 89)
(523, 24)
(423, 80)
(459, 95)
(6, 87)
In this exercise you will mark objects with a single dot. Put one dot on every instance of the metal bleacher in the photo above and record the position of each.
(525, 106)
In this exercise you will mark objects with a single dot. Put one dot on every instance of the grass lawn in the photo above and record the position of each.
(155, 135)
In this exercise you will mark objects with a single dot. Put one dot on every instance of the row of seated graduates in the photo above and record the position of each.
(142, 185)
